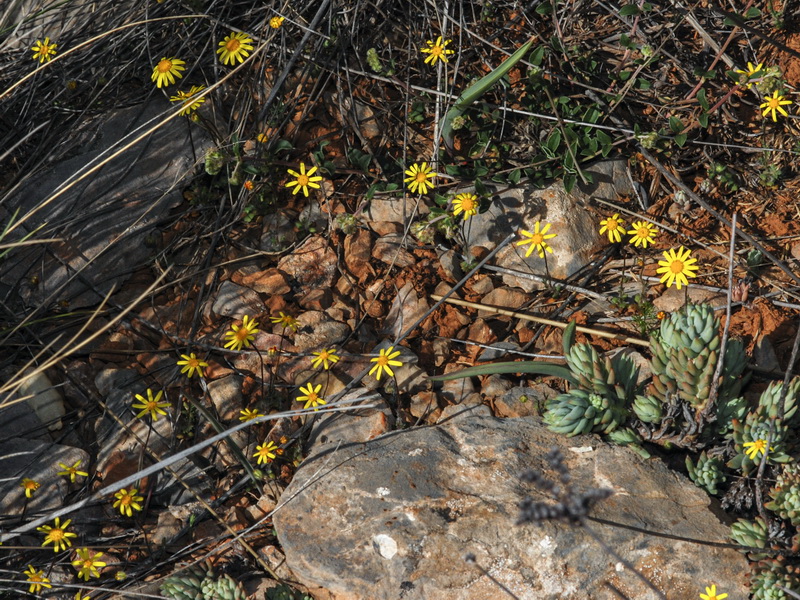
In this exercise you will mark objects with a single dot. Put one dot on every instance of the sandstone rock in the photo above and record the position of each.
(482, 285)
(406, 308)
(495, 385)
(672, 299)
(395, 516)
(311, 265)
(390, 215)
(236, 301)
(226, 396)
(498, 350)
(317, 331)
(523, 401)
(390, 249)
(504, 297)
(352, 426)
(106, 222)
(271, 282)
(455, 390)
(357, 255)
(519, 208)
(318, 299)
(37, 460)
(277, 233)
(450, 261)
(120, 437)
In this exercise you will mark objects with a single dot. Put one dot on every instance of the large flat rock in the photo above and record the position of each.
(394, 518)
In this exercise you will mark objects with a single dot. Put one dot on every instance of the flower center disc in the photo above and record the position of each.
(164, 66)
(233, 45)
(676, 266)
(302, 180)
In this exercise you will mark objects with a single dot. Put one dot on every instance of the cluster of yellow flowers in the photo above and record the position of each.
(772, 105)
(676, 267)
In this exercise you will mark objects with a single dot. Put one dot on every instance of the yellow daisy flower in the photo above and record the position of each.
(265, 453)
(72, 471)
(437, 51)
(57, 534)
(643, 233)
(151, 405)
(748, 74)
(30, 486)
(286, 321)
(88, 563)
(774, 103)
(167, 69)
(128, 501)
(276, 22)
(711, 592)
(190, 102)
(384, 362)
(241, 335)
(754, 449)
(311, 397)
(235, 47)
(324, 357)
(536, 239)
(191, 364)
(248, 414)
(677, 267)
(418, 176)
(466, 203)
(614, 226)
(304, 180)
(36, 579)
(44, 51)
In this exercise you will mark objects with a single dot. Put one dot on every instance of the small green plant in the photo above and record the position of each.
(770, 176)
(645, 315)
(726, 178)
(199, 582)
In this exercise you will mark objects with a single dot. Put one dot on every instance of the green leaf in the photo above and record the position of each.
(629, 10)
(537, 56)
(675, 125)
(568, 338)
(752, 13)
(524, 366)
(569, 182)
(553, 141)
(705, 74)
(701, 98)
(476, 90)
(703, 120)
(680, 139)
(545, 8)
(514, 176)
(283, 145)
